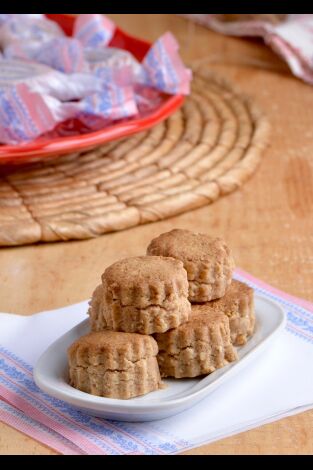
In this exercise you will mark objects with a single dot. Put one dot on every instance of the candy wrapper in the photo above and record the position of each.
(5, 17)
(163, 69)
(47, 78)
(94, 30)
(63, 54)
(100, 59)
(25, 114)
(26, 28)
(39, 98)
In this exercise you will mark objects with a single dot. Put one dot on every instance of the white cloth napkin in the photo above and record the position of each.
(278, 383)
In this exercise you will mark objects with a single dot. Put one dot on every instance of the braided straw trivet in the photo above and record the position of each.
(206, 150)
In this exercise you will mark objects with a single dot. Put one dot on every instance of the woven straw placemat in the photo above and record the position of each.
(205, 150)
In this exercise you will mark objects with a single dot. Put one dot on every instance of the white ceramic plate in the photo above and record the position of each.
(51, 374)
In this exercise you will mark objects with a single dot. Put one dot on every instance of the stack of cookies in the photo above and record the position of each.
(175, 312)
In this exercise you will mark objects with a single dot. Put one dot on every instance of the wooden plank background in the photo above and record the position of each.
(268, 223)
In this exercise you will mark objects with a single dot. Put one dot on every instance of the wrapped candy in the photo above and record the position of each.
(93, 30)
(36, 98)
(22, 28)
(63, 54)
(4, 17)
(99, 59)
(47, 78)
(23, 115)
(13, 72)
(161, 68)
(164, 70)
(71, 55)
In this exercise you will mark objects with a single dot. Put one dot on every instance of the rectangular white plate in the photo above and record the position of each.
(51, 374)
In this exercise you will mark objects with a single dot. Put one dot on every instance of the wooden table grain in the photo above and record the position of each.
(268, 223)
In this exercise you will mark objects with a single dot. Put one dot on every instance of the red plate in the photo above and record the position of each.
(48, 145)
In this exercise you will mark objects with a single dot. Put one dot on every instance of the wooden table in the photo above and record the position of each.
(268, 223)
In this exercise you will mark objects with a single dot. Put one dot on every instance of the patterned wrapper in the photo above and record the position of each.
(30, 108)
(163, 68)
(23, 115)
(93, 30)
(101, 58)
(63, 54)
(110, 103)
(4, 17)
(45, 80)
(24, 28)
(115, 101)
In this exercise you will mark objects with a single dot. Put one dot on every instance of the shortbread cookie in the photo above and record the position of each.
(208, 261)
(146, 294)
(197, 347)
(238, 305)
(95, 311)
(114, 365)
